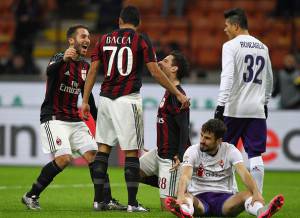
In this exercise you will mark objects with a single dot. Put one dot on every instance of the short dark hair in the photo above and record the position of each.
(72, 30)
(237, 16)
(215, 126)
(181, 62)
(130, 14)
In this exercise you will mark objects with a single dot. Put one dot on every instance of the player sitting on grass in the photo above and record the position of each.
(207, 184)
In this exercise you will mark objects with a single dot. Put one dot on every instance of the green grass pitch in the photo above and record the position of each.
(70, 194)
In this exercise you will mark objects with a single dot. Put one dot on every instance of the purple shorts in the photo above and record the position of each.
(252, 131)
(213, 202)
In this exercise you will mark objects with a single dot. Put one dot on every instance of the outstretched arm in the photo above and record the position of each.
(249, 182)
(184, 180)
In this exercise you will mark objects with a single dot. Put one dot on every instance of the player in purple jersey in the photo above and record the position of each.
(62, 130)
(206, 186)
(159, 166)
(122, 54)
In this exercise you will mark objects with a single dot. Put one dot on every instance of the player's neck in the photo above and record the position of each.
(128, 26)
(243, 32)
(175, 82)
(214, 152)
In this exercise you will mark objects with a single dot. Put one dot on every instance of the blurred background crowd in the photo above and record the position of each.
(31, 31)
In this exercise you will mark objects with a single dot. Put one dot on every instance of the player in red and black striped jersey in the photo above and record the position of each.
(65, 81)
(122, 55)
(62, 130)
(159, 166)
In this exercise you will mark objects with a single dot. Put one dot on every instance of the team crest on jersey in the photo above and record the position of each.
(221, 163)
(58, 141)
(162, 102)
(200, 170)
(83, 74)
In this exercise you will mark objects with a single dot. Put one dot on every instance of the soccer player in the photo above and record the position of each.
(62, 130)
(207, 187)
(246, 86)
(122, 54)
(172, 133)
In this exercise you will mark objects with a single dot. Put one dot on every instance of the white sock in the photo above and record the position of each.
(257, 171)
(188, 207)
(252, 209)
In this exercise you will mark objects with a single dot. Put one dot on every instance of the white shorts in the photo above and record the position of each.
(151, 164)
(120, 121)
(60, 138)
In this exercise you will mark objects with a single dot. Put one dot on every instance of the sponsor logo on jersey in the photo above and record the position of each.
(221, 163)
(200, 170)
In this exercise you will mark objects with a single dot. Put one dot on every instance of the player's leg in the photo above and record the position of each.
(105, 137)
(168, 180)
(235, 127)
(254, 140)
(193, 206)
(149, 168)
(127, 118)
(234, 205)
(54, 137)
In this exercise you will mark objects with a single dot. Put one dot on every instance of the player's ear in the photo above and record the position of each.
(174, 68)
(71, 41)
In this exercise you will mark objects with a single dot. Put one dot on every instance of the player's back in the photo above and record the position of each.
(251, 79)
(123, 53)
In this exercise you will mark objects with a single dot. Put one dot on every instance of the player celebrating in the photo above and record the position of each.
(207, 184)
(62, 130)
(246, 86)
(122, 54)
(159, 165)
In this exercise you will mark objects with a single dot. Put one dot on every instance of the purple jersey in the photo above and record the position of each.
(122, 54)
(65, 81)
(172, 127)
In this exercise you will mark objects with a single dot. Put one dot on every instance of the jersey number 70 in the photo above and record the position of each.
(120, 52)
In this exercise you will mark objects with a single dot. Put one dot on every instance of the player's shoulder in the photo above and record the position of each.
(56, 57)
(193, 148)
(229, 147)
(144, 36)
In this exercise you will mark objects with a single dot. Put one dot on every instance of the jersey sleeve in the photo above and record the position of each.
(235, 155)
(189, 157)
(55, 63)
(97, 51)
(147, 49)
(227, 74)
(269, 80)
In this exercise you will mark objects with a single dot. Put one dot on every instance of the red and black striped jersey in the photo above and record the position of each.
(65, 81)
(172, 127)
(122, 54)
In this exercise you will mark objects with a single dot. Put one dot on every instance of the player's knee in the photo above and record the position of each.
(63, 161)
(89, 156)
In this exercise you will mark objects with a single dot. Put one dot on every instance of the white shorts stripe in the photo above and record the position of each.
(50, 138)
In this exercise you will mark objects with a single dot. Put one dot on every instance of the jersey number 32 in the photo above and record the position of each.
(249, 74)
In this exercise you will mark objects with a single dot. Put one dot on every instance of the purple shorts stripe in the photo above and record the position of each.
(213, 202)
(252, 131)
